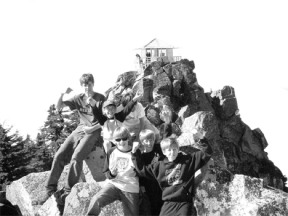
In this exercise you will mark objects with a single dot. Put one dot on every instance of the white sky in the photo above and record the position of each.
(45, 46)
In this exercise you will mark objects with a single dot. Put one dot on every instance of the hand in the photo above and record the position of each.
(140, 76)
(197, 135)
(91, 101)
(151, 76)
(138, 96)
(87, 129)
(136, 145)
(166, 114)
(68, 90)
(114, 171)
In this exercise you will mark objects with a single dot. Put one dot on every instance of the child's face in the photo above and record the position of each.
(109, 111)
(117, 100)
(166, 115)
(171, 153)
(148, 144)
(87, 88)
(122, 144)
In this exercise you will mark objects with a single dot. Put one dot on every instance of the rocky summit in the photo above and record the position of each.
(238, 180)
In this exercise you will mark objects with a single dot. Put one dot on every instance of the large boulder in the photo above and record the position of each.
(26, 191)
(243, 196)
(93, 166)
(78, 201)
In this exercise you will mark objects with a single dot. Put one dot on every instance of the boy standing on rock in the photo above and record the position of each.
(80, 142)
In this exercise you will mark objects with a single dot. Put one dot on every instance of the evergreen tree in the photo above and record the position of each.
(19, 157)
(57, 127)
(14, 155)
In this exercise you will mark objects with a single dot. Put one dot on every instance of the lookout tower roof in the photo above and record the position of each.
(157, 44)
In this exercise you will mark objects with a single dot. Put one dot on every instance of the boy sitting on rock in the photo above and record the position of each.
(123, 182)
(175, 175)
(110, 119)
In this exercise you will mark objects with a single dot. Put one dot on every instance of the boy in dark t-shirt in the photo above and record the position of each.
(80, 142)
(150, 192)
(175, 175)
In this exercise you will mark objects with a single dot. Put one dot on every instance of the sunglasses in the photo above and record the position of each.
(123, 139)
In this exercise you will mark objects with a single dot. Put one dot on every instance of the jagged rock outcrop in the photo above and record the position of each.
(237, 181)
(243, 196)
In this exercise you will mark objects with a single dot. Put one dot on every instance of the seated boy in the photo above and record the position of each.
(109, 109)
(175, 175)
(136, 120)
(150, 192)
(123, 182)
(110, 119)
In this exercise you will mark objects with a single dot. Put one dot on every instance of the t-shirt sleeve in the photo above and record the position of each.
(105, 131)
(201, 157)
(71, 103)
(126, 111)
(140, 110)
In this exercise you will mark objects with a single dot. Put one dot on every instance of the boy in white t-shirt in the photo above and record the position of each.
(123, 182)
(136, 121)
(109, 119)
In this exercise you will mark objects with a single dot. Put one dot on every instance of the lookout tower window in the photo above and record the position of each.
(162, 52)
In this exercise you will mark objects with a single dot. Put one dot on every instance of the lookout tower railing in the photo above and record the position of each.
(148, 60)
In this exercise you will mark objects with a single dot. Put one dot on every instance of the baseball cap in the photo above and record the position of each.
(107, 103)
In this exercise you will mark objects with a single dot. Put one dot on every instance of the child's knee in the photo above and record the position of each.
(94, 207)
(60, 156)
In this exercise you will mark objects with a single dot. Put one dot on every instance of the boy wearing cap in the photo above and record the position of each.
(123, 182)
(175, 175)
(111, 119)
(109, 110)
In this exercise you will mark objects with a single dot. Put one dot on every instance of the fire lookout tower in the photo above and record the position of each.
(157, 51)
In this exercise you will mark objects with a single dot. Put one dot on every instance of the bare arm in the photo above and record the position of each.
(128, 108)
(142, 121)
(60, 103)
(91, 129)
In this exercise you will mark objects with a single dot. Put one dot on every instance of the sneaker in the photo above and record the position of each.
(44, 198)
(60, 196)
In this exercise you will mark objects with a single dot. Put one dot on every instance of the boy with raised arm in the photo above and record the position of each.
(80, 142)
(175, 175)
(110, 119)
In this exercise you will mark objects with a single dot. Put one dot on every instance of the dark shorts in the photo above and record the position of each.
(177, 209)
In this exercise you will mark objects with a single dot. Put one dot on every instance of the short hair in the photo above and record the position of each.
(85, 78)
(168, 143)
(126, 98)
(146, 134)
(121, 132)
(116, 97)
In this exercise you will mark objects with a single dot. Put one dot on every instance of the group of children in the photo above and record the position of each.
(144, 167)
